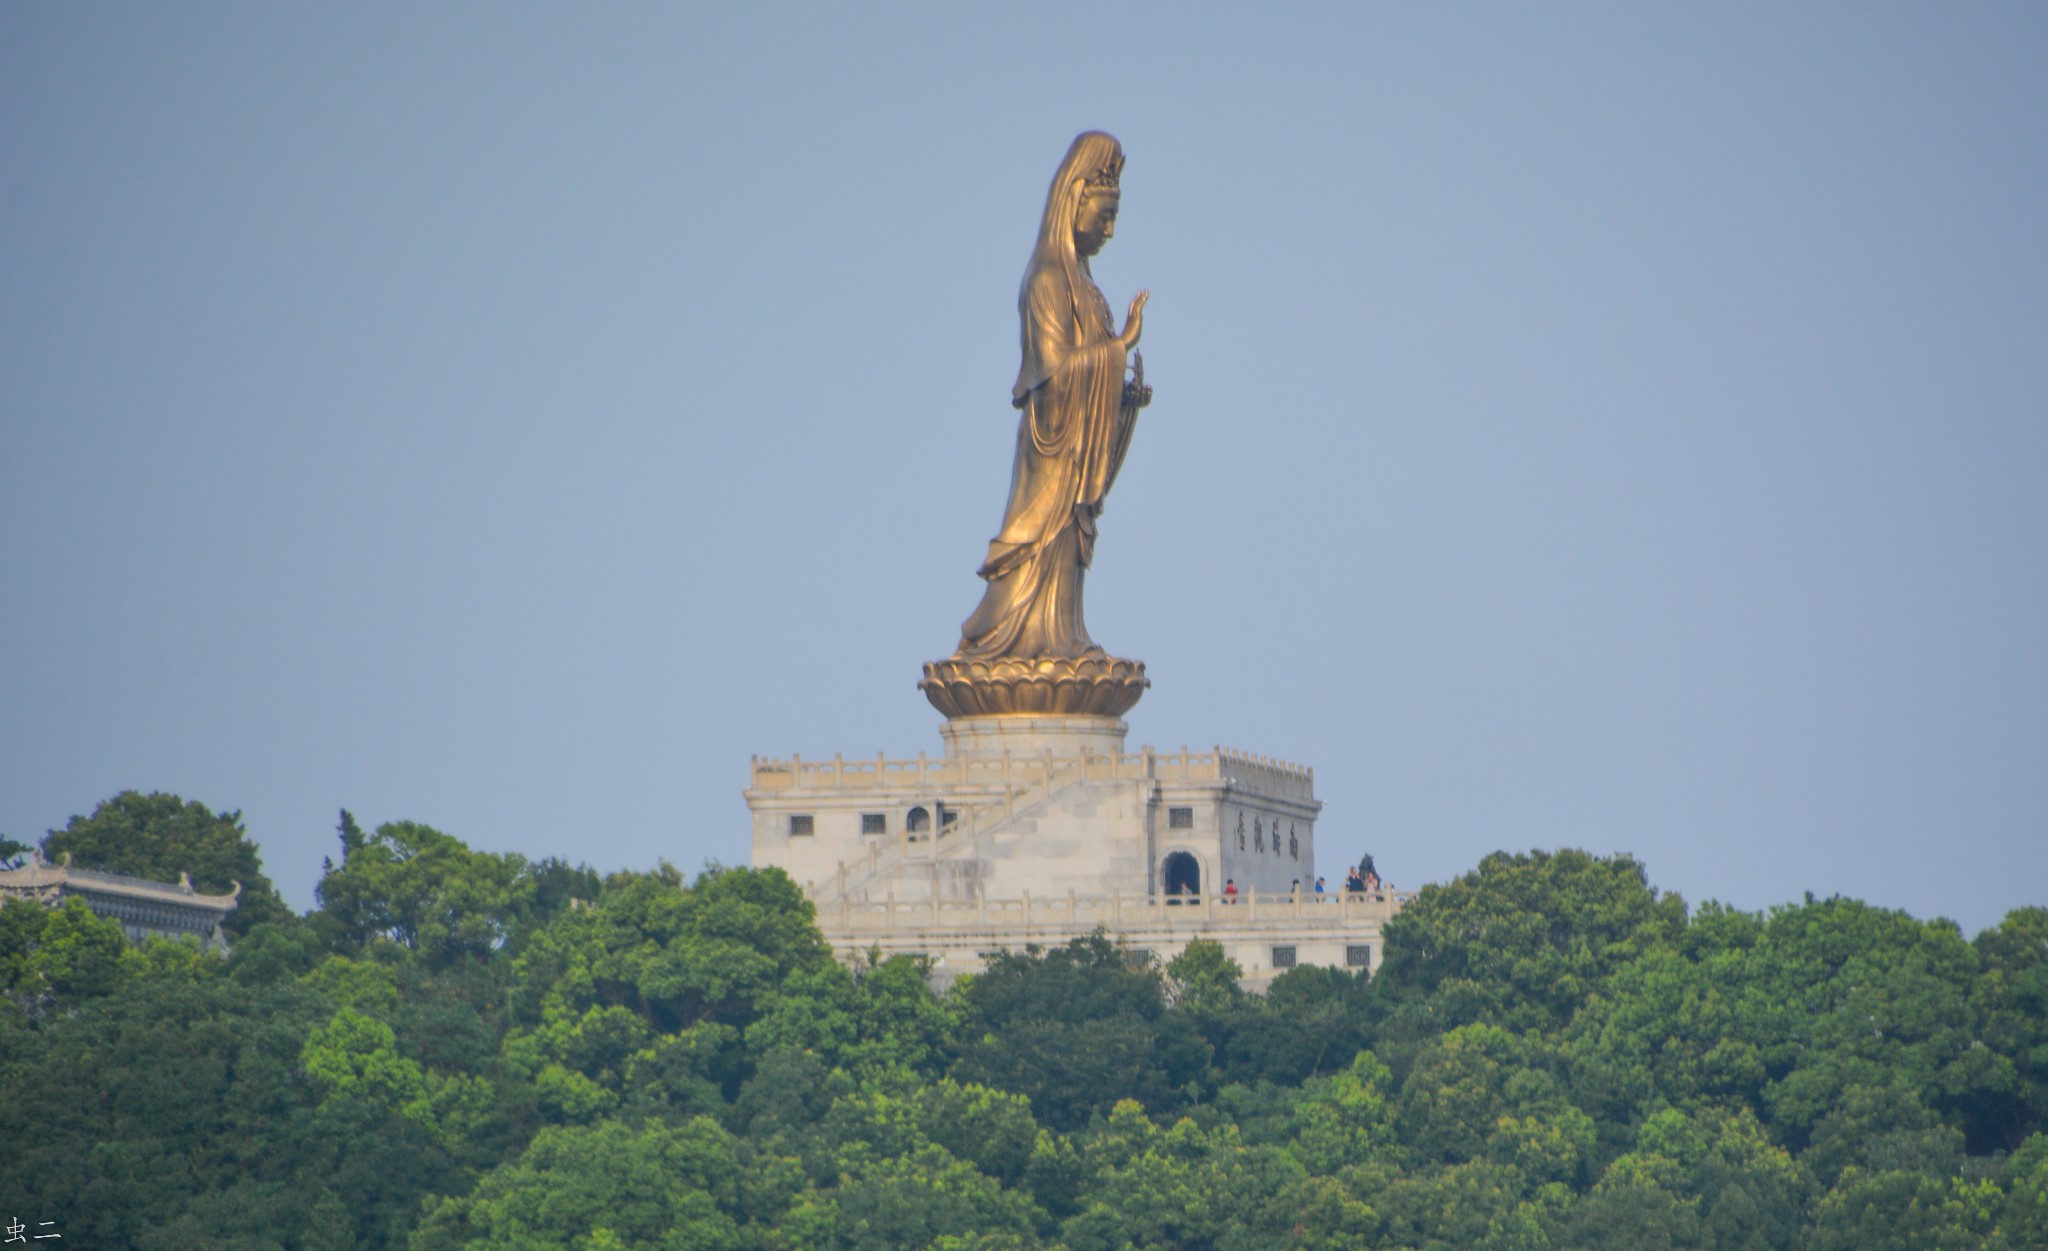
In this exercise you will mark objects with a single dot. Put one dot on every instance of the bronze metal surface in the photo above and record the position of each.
(1091, 686)
(1025, 649)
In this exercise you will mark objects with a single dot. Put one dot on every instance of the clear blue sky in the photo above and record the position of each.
(1613, 426)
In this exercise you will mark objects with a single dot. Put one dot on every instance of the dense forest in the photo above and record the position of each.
(460, 1049)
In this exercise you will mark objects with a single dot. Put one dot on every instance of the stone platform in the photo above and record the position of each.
(1035, 829)
(1264, 935)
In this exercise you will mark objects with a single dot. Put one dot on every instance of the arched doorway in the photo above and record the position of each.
(917, 821)
(1180, 877)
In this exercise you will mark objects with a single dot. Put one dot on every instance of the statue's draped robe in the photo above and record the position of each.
(1070, 443)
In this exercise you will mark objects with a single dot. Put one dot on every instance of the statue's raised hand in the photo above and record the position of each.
(1134, 325)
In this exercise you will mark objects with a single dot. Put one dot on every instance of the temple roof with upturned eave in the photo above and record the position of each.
(38, 877)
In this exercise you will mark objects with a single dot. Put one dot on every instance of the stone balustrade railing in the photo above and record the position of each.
(1079, 914)
(1006, 772)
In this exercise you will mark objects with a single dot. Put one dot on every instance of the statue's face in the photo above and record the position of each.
(1095, 224)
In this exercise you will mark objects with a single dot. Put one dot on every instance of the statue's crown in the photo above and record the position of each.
(1105, 183)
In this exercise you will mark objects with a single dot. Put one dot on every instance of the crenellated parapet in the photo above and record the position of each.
(880, 773)
(1265, 773)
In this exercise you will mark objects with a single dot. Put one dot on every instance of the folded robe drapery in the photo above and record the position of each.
(1071, 439)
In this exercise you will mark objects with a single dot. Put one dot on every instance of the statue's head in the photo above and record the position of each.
(1080, 208)
(1095, 220)
(1101, 192)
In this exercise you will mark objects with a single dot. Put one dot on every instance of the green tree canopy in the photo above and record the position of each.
(1522, 940)
(1076, 1029)
(424, 890)
(462, 1049)
(645, 1188)
(2012, 994)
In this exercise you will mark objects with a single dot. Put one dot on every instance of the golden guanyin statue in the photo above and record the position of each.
(1026, 650)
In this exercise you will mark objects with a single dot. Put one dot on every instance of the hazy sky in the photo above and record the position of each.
(1614, 426)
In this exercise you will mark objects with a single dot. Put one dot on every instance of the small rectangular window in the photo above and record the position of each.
(1180, 818)
(947, 816)
(1283, 957)
(800, 823)
(874, 823)
(1357, 955)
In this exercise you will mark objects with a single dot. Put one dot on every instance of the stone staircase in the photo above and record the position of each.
(951, 839)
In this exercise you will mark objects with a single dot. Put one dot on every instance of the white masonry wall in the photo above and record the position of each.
(1041, 832)
(1005, 828)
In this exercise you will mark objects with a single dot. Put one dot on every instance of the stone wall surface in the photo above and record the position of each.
(979, 849)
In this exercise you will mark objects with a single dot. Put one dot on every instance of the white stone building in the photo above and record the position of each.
(1039, 828)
